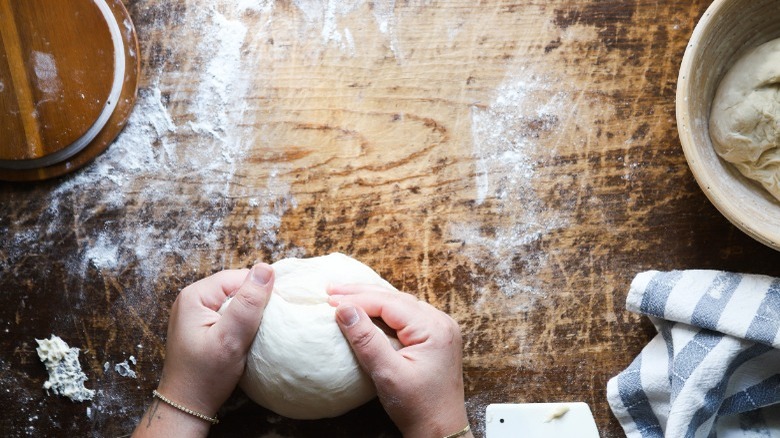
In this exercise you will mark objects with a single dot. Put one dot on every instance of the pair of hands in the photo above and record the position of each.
(420, 386)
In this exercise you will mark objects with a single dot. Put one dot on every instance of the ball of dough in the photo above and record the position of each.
(300, 365)
(745, 119)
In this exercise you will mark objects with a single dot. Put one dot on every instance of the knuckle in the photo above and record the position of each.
(384, 379)
(454, 326)
(176, 304)
(229, 346)
(361, 339)
(457, 340)
(407, 297)
(249, 300)
(184, 294)
(449, 331)
(457, 335)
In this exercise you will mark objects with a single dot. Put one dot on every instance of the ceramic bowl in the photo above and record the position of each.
(726, 31)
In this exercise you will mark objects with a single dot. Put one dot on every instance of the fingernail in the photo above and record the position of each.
(261, 274)
(347, 315)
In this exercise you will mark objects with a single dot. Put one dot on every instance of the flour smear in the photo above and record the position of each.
(155, 155)
(325, 17)
(505, 135)
(46, 74)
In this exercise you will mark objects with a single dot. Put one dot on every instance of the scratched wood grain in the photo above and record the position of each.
(513, 163)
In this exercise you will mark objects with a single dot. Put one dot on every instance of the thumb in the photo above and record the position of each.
(241, 318)
(370, 344)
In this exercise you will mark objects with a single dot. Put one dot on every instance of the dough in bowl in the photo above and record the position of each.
(745, 119)
(300, 365)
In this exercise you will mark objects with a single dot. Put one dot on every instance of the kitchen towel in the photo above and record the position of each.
(713, 370)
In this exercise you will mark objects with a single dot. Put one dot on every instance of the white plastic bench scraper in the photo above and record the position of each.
(540, 420)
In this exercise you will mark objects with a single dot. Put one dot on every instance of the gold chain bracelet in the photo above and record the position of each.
(460, 433)
(212, 420)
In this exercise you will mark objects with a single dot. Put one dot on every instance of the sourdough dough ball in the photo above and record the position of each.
(300, 365)
(745, 119)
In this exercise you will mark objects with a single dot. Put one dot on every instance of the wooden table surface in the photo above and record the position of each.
(515, 164)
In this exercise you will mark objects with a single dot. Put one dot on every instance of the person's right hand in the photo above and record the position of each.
(421, 385)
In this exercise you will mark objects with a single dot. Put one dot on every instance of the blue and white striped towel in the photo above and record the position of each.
(713, 370)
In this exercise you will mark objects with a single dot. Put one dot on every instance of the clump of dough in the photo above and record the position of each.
(745, 119)
(300, 365)
(62, 363)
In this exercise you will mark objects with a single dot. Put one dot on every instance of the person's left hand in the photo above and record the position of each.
(205, 351)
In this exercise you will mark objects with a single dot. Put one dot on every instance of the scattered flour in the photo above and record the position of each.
(384, 14)
(326, 15)
(160, 194)
(46, 74)
(168, 143)
(173, 141)
(505, 136)
(103, 254)
(149, 162)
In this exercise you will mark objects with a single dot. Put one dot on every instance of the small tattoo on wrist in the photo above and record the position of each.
(152, 412)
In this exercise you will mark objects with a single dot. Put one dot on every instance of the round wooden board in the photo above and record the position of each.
(71, 102)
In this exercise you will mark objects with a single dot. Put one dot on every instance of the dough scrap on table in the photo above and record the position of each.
(62, 363)
(557, 413)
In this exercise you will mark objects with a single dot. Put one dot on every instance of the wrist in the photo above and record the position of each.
(187, 394)
(458, 431)
(162, 419)
(182, 418)
(465, 432)
(185, 409)
(439, 427)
